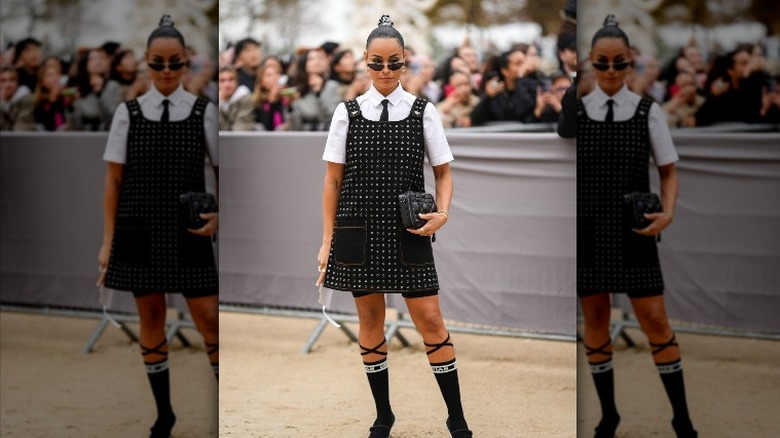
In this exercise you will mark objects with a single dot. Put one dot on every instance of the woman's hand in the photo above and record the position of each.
(103, 255)
(661, 220)
(211, 226)
(494, 87)
(435, 220)
(322, 262)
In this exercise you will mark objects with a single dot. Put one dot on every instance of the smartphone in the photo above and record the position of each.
(546, 85)
(288, 91)
(771, 85)
(283, 80)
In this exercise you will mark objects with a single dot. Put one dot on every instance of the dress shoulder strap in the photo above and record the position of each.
(644, 107)
(133, 109)
(199, 109)
(418, 107)
(353, 109)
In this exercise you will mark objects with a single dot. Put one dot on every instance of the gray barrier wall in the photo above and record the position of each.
(506, 257)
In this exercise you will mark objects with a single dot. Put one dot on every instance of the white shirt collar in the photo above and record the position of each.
(601, 98)
(175, 98)
(376, 98)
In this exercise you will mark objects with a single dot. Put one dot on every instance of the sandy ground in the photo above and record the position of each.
(48, 388)
(732, 385)
(510, 387)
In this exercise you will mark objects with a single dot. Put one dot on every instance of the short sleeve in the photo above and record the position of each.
(116, 146)
(436, 145)
(336, 145)
(661, 142)
(211, 129)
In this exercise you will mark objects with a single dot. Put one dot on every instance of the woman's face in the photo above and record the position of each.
(316, 63)
(461, 85)
(227, 84)
(687, 84)
(51, 78)
(384, 51)
(97, 62)
(514, 62)
(346, 66)
(610, 51)
(458, 64)
(127, 64)
(269, 77)
(165, 51)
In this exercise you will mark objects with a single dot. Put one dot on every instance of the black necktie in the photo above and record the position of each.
(384, 117)
(610, 114)
(165, 116)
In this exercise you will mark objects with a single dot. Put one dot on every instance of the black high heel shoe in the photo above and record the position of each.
(459, 433)
(162, 427)
(684, 428)
(381, 430)
(607, 426)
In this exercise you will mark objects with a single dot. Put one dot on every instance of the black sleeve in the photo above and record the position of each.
(481, 113)
(524, 100)
(567, 121)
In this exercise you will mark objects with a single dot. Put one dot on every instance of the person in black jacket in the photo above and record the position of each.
(504, 98)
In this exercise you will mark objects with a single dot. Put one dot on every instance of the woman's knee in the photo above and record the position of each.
(430, 321)
(656, 325)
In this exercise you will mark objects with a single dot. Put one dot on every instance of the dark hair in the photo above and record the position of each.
(165, 30)
(329, 47)
(110, 47)
(610, 30)
(444, 70)
(301, 76)
(22, 45)
(744, 47)
(115, 61)
(242, 45)
(336, 59)
(385, 29)
(9, 69)
(503, 60)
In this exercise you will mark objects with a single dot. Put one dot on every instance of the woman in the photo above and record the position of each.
(236, 112)
(613, 129)
(455, 110)
(504, 96)
(52, 105)
(318, 94)
(123, 72)
(270, 105)
(98, 96)
(365, 250)
(156, 151)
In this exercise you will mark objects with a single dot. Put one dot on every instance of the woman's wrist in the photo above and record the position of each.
(445, 213)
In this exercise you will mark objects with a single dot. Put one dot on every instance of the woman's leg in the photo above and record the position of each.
(154, 348)
(651, 314)
(205, 314)
(371, 316)
(426, 315)
(598, 347)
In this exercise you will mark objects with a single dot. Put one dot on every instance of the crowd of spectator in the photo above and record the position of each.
(735, 86)
(47, 93)
(299, 91)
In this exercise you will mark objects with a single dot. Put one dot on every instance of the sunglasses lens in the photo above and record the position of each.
(395, 66)
(620, 66)
(600, 66)
(156, 67)
(375, 66)
(175, 66)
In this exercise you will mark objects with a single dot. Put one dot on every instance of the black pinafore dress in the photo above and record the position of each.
(371, 251)
(152, 250)
(612, 160)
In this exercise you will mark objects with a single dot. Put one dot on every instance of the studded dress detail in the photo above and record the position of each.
(612, 160)
(371, 251)
(152, 251)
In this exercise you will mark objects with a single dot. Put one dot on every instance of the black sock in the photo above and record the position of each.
(672, 378)
(604, 379)
(159, 380)
(378, 379)
(447, 377)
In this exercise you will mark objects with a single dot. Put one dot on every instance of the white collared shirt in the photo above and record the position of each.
(436, 147)
(179, 108)
(623, 109)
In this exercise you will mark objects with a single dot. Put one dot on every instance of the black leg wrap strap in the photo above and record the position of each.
(373, 350)
(661, 347)
(600, 350)
(213, 348)
(155, 350)
(437, 347)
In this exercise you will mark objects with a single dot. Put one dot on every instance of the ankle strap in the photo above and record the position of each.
(155, 350)
(600, 350)
(373, 350)
(437, 347)
(661, 347)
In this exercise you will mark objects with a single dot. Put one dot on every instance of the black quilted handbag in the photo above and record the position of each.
(412, 204)
(193, 204)
(637, 204)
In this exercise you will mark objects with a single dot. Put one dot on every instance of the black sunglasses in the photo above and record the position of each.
(172, 66)
(604, 66)
(378, 66)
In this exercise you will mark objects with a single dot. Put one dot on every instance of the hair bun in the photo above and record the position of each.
(385, 21)
(166, 21)
(610, 21)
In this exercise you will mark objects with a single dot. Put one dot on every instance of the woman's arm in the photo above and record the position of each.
(334, 176)
(444, 187)
(669, 190)
(110, 202)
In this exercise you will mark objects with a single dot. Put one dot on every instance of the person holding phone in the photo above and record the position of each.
(375, 151)
(271, 99)
(156, 151)
(504, 98)
(617, 132)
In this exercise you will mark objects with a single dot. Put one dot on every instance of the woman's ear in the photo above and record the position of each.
(365, 56)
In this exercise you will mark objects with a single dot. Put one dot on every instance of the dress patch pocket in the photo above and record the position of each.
(349, 242)
(195, 251)
(132, 242)
(415, 250)
(639, 251)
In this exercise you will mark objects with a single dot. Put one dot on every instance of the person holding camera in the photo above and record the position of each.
(504, 97)
(156, 152)
(375, 152)
(617, 132)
